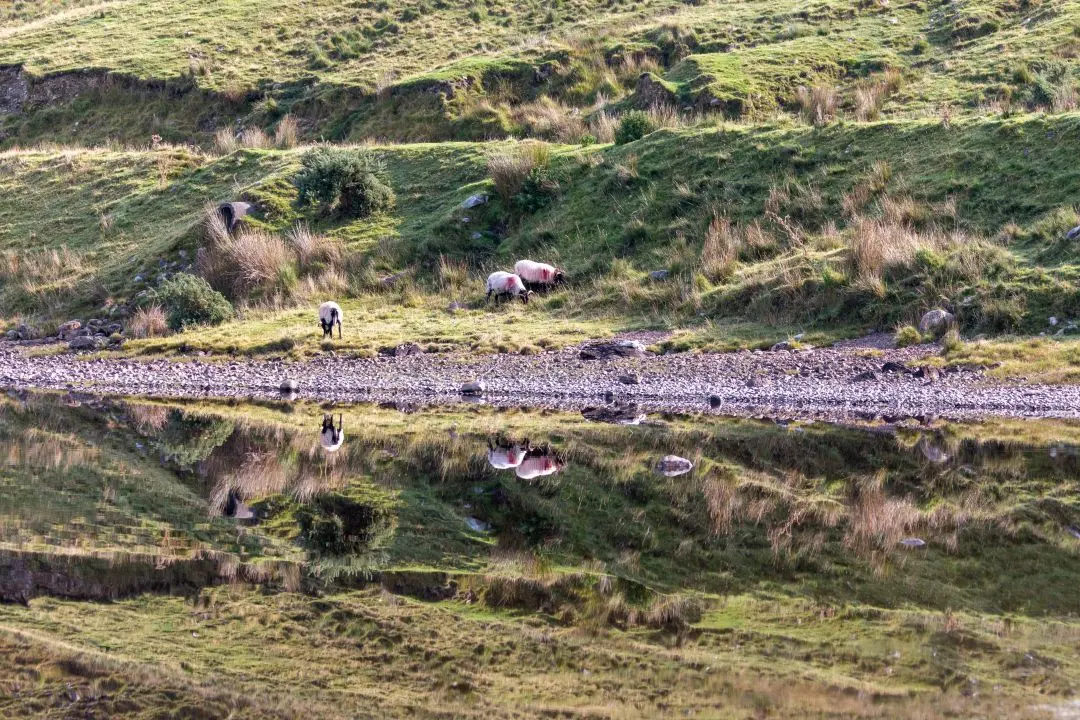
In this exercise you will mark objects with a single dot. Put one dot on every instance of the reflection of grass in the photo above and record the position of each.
(340, 653)
(778, 536)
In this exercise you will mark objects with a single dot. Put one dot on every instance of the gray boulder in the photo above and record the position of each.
(619, 348)
(85, 342)
(936, 322)
(288, 385)
(474, 388)
(69, 329)
(630, 379)
(781, 346)
(1073, 234)
(673, 465)
(659, 275)
(232, 213)
(474, 200)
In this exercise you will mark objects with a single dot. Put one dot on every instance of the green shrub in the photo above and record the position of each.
(189, 300)
(353, 179)
(537, 190)
(921, 46)
(366, 194)
(634, 125)
(907, 336)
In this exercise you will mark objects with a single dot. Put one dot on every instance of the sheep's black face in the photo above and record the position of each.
(327, 328)
(560, 278)
(525, 296)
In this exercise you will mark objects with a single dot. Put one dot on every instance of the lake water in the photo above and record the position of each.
(928, 559)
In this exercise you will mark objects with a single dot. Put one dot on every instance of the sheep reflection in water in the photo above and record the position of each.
(526, 461)
(330, 437)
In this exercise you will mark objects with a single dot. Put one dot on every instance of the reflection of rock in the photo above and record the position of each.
(913, 542)
(477, 525)
(932, 452)
(672, 465)
(236, 509)
(627, 414)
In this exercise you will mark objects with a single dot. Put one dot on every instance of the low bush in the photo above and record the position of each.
(354, 180)
(511, 170)
(634, 125)
(189, 300)
(907, 336)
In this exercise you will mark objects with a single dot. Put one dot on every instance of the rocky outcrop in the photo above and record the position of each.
(651, 91)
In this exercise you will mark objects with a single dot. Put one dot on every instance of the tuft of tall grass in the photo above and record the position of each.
(720, 249)
(254, 138)
(509, 169)
(287, 134)
(225, 141)
(148, 322)
(817, 104)
(313, 250)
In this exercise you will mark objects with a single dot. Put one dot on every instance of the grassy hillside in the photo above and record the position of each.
(820, 169)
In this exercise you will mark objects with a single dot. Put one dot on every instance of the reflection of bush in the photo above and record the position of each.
(336, 524)
(189, 439)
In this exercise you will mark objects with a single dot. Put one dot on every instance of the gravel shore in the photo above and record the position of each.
(835, 383)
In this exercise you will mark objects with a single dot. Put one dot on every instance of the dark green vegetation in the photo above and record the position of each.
(404, 574)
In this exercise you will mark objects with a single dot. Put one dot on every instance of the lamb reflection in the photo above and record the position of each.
(526, 461)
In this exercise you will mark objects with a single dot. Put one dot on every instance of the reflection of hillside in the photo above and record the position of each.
(825, 508)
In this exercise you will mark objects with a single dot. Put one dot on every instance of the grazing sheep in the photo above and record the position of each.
(538, 276)
(506, 456)
(330, 437)
(538, 462)
(509, 285)
(330, 313)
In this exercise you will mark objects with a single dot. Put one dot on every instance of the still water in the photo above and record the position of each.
(106, 499)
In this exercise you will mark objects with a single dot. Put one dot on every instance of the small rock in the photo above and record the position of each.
(474, 388)
(780, 346)
(659, 275)
(477, 235)
(673, 465)
(474, 200)
(1053, 321)
(13, 335)
(936, 322)
(715, 401)
(630, 379)
(454, 307)
(913, 542)
(402, 350)
(69, 329)
(868, 376)
(288, 385)
(1073, 234)
(754, 383)
(895, 367)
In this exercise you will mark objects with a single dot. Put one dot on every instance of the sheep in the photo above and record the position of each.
(331, 438)
(330, 313)
(538, 462)
(538, 276)
(506, 456)
(504, 284)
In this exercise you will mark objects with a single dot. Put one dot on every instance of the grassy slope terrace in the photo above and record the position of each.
(763, 230)
(423, 70)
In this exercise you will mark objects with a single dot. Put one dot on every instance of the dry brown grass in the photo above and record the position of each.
(225, 141)
(720, 249)
(287, 134)
(254, 138)
(817, 104)
(148, 322)
(238, 265)
(509, 169)
(313, 250)
(549, 119)
(603, 125)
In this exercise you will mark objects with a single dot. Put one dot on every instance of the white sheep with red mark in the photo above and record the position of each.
(329, 315)
(506, 456)
(538, 463)
(538, 275)
(508, 285)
